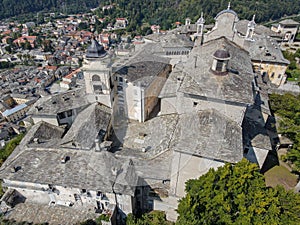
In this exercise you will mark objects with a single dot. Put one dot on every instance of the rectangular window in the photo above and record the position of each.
(61, 115)
(69, 113)
(219, 65)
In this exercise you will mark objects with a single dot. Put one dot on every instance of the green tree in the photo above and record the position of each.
(236, 194)
(287, 108)
(83, 26)
(8, 49)
(152, 218)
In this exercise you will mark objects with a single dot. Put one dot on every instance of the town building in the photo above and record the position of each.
(138, 87)
(288, 28)
(98, 74)
(16, 113)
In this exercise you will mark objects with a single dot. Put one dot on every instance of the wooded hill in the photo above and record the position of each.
(163, 12)
(10, 8)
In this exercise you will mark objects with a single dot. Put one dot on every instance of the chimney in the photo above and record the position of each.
(97, 145)
(114, 171)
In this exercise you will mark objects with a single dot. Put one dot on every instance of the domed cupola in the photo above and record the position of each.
(95, 50)
(220, 61)
(227, 11)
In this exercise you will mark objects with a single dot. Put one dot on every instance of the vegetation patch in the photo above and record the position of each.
(280, 175)
(287, 107)
(293, 70)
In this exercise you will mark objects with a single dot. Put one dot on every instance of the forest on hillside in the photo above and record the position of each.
(163, 12)
(10, 8)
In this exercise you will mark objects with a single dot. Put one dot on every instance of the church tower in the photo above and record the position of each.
(97, 74)
(200, 26)
(250, 28)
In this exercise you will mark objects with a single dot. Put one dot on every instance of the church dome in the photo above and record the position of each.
(222, 54)
(95, 50)
(227, 11)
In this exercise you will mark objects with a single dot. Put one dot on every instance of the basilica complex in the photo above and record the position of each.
(181, 103)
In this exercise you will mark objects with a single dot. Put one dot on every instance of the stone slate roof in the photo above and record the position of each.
(235, 87)
(241, 27)
(170, 87)
(289, 22)
(95, 50)
(254, 129)
(192, 28)
(171, 40)
(59, 103)
(47, 131)
(83, 131)
(266, 50)
(142, 73)
(85, 170)
(208, 134)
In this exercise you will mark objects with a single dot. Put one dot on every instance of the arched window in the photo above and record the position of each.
(96, 78)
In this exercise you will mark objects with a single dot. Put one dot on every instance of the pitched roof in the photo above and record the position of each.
(83, 132)
(208, 134)
(9, 112)
(235, 87)
(142, 73)
(85, 170)
(60, 103)
(289, 22)
(265, 49)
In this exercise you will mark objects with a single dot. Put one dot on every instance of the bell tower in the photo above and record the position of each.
(97, 74)
(250, 28)
(200, 25)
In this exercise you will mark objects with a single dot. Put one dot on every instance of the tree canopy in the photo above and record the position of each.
(232, 194)
(293, 70)
(162, 12)
(237, 194)
(287, 107)
(152, 218)
(166, 13)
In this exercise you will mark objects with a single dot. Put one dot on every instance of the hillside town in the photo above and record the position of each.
(116, 124)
